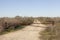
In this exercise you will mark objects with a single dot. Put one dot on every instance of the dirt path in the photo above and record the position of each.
(27, 33)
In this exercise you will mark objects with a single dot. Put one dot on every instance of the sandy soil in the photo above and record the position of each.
(28, 33)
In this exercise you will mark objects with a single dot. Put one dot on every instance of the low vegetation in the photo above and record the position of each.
(9, 24)
(53, 31)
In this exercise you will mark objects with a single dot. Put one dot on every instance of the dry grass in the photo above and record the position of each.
(52, 32)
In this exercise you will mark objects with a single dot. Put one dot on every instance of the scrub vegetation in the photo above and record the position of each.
(10, 24)
(52, 32)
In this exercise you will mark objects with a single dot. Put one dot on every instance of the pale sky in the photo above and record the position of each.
(10, 8)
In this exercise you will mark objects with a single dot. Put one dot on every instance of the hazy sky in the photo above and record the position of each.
(29, 8)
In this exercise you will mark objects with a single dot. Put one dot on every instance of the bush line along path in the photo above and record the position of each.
(30, 32)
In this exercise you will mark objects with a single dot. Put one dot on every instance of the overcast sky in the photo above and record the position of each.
(12, 8)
